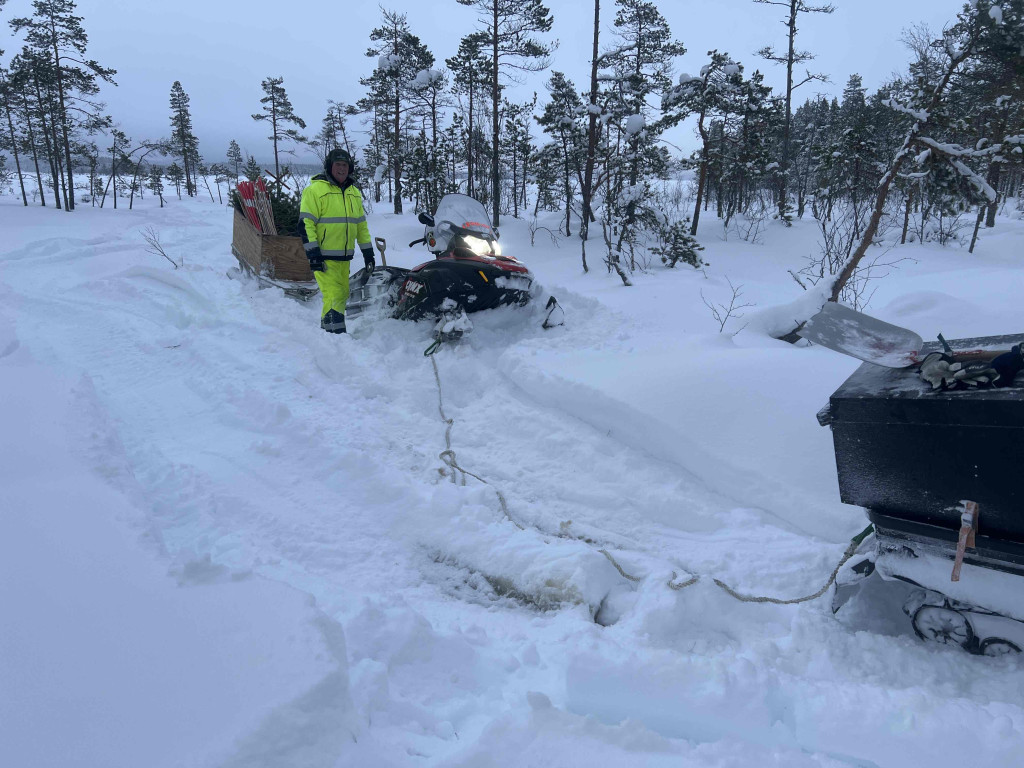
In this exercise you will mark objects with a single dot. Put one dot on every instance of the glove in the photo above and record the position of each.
(316, 260)
(368, 260)
(939, 370)
(974, 375)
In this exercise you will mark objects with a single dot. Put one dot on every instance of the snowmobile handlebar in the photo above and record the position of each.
(417, 242)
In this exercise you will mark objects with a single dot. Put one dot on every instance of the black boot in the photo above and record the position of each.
(333, 321)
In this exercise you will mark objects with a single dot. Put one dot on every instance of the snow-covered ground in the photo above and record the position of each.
(228, 539)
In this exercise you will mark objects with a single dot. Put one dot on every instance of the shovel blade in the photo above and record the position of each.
(866, 338)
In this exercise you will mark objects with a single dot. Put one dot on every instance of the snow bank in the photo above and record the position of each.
(108, 660)
(466, 528)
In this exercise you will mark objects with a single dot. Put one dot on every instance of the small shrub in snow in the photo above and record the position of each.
(676, 244)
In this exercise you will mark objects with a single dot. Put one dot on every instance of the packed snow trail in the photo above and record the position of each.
(245, 441)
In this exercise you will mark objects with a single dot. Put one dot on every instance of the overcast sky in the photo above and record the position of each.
(221, 50)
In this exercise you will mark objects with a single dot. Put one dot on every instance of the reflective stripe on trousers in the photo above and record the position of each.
(333, 282)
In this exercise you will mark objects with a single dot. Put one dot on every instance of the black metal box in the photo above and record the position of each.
(909, 453)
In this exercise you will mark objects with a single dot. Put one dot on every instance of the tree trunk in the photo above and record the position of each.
(469, 142)
(14, 149)
(135, 181)
(906, 215)
(701, 181)
(993, 180)
(396, 149)
(62, 117)
(495, 184)
(46, 140)
(587, 190)
(568, 184)
(277, 164)
(977, 226)
(784, 175)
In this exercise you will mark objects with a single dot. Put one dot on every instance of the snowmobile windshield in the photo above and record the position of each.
(465, 213)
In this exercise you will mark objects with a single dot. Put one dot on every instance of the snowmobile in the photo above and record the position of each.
(936, 471)
(468, 273)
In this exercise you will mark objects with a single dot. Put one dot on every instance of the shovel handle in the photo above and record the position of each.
(969, 355)
(972, 355)
(382, 246)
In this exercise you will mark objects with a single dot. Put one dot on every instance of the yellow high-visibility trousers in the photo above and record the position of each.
(333, 282)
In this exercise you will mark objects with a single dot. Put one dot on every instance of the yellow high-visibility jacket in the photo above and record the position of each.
(333, 219)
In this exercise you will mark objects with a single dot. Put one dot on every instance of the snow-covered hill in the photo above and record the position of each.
(228, 539)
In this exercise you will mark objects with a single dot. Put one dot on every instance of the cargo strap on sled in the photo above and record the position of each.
(968, 528)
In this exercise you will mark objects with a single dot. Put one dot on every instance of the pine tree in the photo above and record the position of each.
(277, 109)
(715, 93)
(252, 169)
(21, 85)
(221, 175)
(469, 67)
(508, 26)
(561, 119)
(155, 183)
(234, 156)
(146, 148)
(35, 79)
(518, 148)
(176, 176)
(741, 158)
(676, 245)
(400, 57)
(119, 142)
(855, 149)
(56, 35)
(547, 162)
(185, 142)
(641, 64)
(8, 140)
(790, 59)
(427, 91)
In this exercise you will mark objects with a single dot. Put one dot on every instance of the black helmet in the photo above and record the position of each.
(339, 155)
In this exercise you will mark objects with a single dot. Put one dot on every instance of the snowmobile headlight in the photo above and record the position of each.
(479, 246)
(496, 248)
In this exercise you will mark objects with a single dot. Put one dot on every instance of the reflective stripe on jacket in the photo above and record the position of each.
(333, 219)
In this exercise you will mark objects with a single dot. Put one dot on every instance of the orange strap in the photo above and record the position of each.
(968, 528)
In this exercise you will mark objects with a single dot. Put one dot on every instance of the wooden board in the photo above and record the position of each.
(274, 256)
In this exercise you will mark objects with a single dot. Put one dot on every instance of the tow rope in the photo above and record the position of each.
(448, 454)
(448, 457)
(854, 543)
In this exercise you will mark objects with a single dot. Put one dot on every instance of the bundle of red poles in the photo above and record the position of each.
(256, 203)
